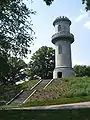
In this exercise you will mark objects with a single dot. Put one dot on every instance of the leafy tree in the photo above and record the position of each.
(81, 70)
(15, 28)
(16, 71)
(86, 2)
(88, 71)
(48, 2)
(4, 67)
(42, 63)
(16, 34)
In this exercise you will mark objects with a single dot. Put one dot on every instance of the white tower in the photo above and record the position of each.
(62, 40)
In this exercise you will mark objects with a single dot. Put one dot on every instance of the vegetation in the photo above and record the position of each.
(42, 63)
(68, 88)
(64, 114)
(7, 92)
(16, 71)
(82, 70)
(86, 2)
(62, 91)
(48, 2)
(16, 34)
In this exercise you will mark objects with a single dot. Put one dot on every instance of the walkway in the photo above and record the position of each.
(23, 97)
(54, 107)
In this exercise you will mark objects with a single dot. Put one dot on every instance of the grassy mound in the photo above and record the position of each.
(60, 91)
(7, 92)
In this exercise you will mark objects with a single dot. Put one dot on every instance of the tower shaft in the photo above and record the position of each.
(62, 40)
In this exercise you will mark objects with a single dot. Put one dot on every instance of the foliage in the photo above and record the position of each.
(16, 71)
(42, 63)
(48, 2)
(15, 28)
(61, 91)
(4, 67)
(82, 70)
(86, 2)
(7, 92)
(16, 34)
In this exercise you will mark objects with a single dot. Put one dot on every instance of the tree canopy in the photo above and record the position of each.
(16, 71)
(48, 2)
(86, 2)
(16, 34)
(15, 28)
(82, 70)
(42, 63)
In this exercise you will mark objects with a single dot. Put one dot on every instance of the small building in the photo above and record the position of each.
(62, 39)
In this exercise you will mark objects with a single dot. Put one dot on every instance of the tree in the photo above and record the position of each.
(42, 63)
(16, 34)
(16, 71)
(82, 70)
(86, 2)
(48, 2)
(4, 67)
(15, 28)
(88, 71)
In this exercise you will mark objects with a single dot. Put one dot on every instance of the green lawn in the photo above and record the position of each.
(74, 114)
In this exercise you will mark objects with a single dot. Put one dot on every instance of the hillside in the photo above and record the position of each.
(7, 92)
(62, 90)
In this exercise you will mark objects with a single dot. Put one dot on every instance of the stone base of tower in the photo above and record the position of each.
(63, 72)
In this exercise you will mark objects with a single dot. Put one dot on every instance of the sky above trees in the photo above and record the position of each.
(42, 25)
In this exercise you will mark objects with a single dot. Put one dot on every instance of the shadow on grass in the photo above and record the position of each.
(74, 114)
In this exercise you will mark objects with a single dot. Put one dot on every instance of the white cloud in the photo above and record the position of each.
(87, 24)
(81, 17)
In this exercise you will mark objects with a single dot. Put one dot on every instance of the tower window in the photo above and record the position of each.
(59, 49)
(59, 28)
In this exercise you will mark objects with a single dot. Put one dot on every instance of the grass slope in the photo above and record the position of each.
(9, 91)
(61, 91)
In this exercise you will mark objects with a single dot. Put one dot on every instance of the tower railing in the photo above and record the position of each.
(63, 34)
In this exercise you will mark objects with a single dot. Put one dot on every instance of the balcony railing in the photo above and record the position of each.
(62, 35)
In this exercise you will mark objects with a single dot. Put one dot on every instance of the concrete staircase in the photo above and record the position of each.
(42, 84)
(22, 98)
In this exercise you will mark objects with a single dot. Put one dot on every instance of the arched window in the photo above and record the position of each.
(59, 28)
(59, 49)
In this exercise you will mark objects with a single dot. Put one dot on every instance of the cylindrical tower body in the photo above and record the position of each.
(62, 40)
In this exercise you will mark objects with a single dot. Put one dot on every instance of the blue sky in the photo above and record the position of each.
(43, 27)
